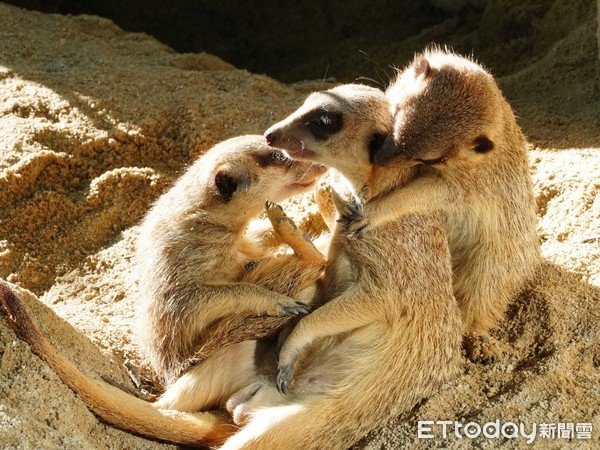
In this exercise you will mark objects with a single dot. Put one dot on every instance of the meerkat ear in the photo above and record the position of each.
(228, 183)
(422, 68)
(483, 144)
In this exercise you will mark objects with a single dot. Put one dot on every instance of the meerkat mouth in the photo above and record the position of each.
(296, 149)
(431, 162)
(315, 171)
(303, 184)
(300, 153)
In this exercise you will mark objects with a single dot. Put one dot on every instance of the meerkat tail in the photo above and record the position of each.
(110, 403)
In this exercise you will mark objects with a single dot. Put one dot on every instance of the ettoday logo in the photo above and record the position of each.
(429, 429)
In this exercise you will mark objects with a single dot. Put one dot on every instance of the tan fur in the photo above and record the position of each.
(195, 204)
(194, 248)
(444, 107)
(224, 369)
(389, 333)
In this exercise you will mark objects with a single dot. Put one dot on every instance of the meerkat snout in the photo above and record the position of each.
(376, 141)
(276, 136)
(270, 137)
(382, 154)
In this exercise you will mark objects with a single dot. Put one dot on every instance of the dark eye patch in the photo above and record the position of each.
(323, 124)
(483, 144)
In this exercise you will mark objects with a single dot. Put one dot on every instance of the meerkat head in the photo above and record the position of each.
(446, 108)
(240, 174)
(340, 128)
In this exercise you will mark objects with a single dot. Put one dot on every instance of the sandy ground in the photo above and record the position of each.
(95, 123)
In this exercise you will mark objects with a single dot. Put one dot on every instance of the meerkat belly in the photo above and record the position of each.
(375, 259)
(467, 231)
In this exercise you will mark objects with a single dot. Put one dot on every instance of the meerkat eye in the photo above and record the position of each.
(325, 123)
(226, 185)
(483, 144)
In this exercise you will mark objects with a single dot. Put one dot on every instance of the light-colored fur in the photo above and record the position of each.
(389, 332)
(194, 249)
(449, 109)
(191, 214)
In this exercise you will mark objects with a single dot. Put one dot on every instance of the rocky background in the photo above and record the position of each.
(96, 122)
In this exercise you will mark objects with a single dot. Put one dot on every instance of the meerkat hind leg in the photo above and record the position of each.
(210, 383)
(480, 348)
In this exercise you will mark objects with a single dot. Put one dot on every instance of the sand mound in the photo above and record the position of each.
(95, 123)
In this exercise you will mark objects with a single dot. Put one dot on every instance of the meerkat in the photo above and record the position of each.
(202, 195)
(389, 331)
(195, 247)
(451, 119)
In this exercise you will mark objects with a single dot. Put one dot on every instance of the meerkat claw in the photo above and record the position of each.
(355, 210)
(298, 308)
(353, 226)
(357, 230)
(351, 216)
(285, 375)
(348, 210)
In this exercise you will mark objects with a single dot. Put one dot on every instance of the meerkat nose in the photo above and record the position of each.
(270, 137)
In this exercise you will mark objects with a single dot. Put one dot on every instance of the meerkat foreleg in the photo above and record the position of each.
(482, 304)
(261, 231)
(246, 298)
(422, 195)
(339, 315)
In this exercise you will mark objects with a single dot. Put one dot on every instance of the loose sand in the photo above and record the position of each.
(95, 123)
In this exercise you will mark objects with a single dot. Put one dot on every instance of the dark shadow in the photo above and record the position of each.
(549, 337)
(557, 100)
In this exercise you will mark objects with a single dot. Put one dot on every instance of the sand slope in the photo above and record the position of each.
(95, 123)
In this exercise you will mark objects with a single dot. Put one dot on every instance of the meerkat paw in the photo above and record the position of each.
(351, 215)
(238, 406)
(285, 376)
(290, 234)
(292, 309)
(480, 349)
(254, 397)
(281, 223)
(286, 363)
